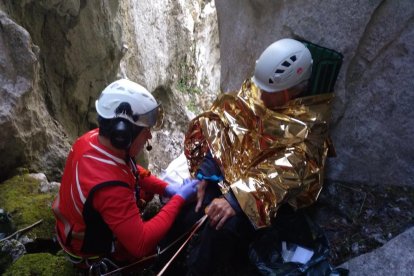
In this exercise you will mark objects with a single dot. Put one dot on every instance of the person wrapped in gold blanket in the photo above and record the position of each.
(267, 156)
(255, 150)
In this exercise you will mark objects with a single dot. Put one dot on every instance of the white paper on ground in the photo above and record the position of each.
(295, 253)
(302, 255)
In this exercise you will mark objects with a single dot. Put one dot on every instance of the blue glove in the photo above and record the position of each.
(188, 189)
(171, 190)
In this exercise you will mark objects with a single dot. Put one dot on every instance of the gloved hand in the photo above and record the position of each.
(171, 190)
(188, 189)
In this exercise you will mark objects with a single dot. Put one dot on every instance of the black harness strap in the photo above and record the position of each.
(98, 237)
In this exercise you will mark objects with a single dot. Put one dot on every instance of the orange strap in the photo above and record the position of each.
(143, 172)
(195, 228)
(133, 267)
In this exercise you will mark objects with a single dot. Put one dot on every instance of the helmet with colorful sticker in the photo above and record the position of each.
(282, 65)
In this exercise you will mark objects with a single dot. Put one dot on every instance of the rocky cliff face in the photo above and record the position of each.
(173, 50)
(56, 56)
(29, 134)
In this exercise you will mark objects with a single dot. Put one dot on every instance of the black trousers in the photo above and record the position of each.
(209, 248)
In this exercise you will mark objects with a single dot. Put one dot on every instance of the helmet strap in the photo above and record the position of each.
(286, 95)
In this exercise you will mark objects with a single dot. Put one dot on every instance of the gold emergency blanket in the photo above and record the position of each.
(267, 157)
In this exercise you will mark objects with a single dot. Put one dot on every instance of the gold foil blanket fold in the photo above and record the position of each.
(267, 157)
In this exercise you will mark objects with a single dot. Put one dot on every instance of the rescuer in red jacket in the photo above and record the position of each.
(96, 209)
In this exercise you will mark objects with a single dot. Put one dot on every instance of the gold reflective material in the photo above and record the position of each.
(159, 119)
(267, 157)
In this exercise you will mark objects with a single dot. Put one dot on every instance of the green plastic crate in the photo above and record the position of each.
(325, 68)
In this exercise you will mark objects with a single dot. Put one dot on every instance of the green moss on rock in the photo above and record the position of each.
(5, 261)
(40, 264)
(21, 197)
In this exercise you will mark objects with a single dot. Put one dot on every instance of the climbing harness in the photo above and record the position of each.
(101, 267)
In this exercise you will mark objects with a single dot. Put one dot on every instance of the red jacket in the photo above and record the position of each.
(96, 204)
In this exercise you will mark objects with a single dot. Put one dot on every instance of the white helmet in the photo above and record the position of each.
(126, 99)
(282, 65)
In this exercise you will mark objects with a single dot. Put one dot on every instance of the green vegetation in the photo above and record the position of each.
(20, 197)
(192, 106)
(186, 85)
(185, 82)
(40, 264)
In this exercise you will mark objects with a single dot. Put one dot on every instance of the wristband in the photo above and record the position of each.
(213, 178)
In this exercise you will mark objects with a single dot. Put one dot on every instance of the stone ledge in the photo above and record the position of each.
(396, 257)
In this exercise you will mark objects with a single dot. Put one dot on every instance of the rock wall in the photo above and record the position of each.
(173, 50)
(80, 49)
(29, 135)
(77, 48)
(65, 52)
(372, 111)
